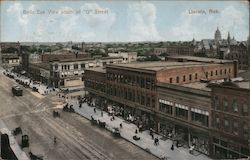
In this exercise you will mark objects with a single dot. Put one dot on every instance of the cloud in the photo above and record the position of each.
(94, 20)
(202, 26)
(141, 18)
(17, 9)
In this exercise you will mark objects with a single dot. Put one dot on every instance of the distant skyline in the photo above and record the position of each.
(122, 21)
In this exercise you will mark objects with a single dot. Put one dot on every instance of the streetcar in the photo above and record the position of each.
(17, 91)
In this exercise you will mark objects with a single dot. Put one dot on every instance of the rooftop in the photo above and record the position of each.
(98, 69)
(198, 85)
(41, 65)
(161, 65)
(201, 59)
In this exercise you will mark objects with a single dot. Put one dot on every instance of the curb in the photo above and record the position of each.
(148, 151)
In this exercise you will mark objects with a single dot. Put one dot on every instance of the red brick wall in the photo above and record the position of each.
(165, 75)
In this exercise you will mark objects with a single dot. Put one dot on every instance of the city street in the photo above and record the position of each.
(76, 138)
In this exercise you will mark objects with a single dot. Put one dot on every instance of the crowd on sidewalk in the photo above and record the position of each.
(147, 140)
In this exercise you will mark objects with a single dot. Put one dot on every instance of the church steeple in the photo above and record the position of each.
(228, 38)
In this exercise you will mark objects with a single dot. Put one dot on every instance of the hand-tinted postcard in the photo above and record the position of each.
(124, 80)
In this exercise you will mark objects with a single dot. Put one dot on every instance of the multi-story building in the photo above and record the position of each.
(211, 116)
(10, 59)
(176, 48)
(239, 52)
(67, 72)
(127, 57)
(230, 114)
(63, 54)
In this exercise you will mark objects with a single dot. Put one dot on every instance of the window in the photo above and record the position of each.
(235, 128)
(56, 66)
(216, 102)
(196, 76)
(190, 77)
(184, 78)
(216, 72)
(221, 72)
(82, 66)
(75, 66)
(229, 70)
(211, 73)
(235, 106)
(165, 108)
(244, 109)
(225, 71)
(206, 74)
(177, 79)
(226, 125)
(225, 104)
(182, 113)
(170, 80)
(200, 118)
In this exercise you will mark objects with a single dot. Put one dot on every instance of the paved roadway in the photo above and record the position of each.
(77, 139)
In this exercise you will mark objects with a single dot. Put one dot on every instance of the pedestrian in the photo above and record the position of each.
(95, 110)
(136, 131)
(177, 143)
(152, 135)
(172, 147)
(54, 140)
(120, 125)
(155, 141)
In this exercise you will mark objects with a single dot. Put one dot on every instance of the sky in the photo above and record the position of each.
(122, 21)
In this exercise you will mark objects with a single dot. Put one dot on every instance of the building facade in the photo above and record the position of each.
(145, 93)
(230, 127)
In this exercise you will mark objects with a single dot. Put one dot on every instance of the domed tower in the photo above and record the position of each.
(217, 35)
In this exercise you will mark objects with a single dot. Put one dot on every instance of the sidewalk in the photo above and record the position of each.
(13, 143)
(128, 131)
(42, 89)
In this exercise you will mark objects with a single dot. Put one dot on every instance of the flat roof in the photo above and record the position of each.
(97, 69)
(244, 84)
(161, 65)
(197, 85)
(201, 59)
(41, 65)
(85, 59)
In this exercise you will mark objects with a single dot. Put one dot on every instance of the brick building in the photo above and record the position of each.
(174, 48)
(230, 127)
(167, 96)
(63, 54)
(239, 52)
